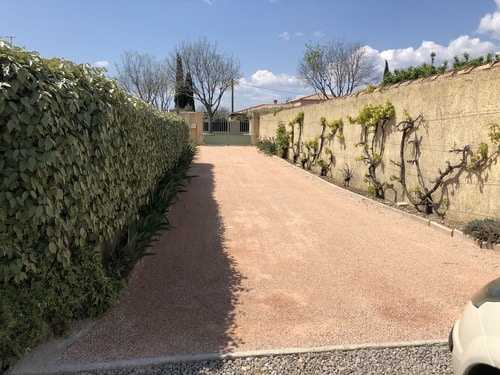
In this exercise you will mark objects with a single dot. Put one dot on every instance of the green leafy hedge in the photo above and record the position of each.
(79, 158)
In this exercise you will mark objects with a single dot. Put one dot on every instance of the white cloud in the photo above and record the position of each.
(266, 78)
(209, 2)
(285, 35)
(318, 34)
(405, 57)
(490, 23)
(264, 86)
(101, 64)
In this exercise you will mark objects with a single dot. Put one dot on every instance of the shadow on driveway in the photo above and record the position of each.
(179, 301)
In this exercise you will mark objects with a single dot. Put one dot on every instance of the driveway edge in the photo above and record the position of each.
(452, 232)
(59, 369)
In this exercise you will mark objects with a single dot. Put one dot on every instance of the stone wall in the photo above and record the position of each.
(457, 109)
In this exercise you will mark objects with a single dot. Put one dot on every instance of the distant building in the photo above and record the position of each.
(269, 107)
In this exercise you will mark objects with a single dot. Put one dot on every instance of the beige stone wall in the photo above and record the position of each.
(195, 122)
(457, 110)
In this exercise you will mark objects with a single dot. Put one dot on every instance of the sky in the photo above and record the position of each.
(267, 36)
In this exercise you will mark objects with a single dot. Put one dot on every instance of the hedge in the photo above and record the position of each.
(79, 158)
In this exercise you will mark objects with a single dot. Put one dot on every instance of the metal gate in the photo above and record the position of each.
(227, 132)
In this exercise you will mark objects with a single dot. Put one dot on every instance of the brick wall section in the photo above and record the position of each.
(457, 108)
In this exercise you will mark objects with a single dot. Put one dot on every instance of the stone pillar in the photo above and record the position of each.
(195, 123)
(254, 127)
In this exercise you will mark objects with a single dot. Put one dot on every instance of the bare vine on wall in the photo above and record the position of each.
(326, 166)
(321, 140)
(335, 130)
(431, 196)
(296, 146)
(309, 154)
(375, 121)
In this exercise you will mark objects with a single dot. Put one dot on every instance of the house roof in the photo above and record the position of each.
(303, 100)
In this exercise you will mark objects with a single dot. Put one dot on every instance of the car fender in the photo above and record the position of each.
(490, 322)
(470, 342)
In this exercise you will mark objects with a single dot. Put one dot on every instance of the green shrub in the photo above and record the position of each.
(427, 70)
(282, 141)
(80, 160)
(485, 230)
(267, 146)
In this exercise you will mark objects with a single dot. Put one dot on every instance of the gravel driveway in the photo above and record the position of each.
(420, 360)
(265, 256)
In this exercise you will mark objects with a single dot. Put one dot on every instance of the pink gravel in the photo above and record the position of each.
(263, 255)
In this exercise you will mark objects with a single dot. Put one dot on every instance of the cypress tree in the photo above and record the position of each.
(386, 70)
(179, 97)
(189, 92)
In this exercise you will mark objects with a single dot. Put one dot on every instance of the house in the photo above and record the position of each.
(269, 107)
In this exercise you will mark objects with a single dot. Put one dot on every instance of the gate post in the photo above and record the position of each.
(254, 128)
(195, 123)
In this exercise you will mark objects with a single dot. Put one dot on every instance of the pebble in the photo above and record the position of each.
(414, 360)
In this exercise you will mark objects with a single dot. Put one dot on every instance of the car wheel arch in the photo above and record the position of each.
(482, 369)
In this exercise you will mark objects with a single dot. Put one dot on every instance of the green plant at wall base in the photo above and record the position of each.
(267, 146)
(324, 167)
(79, 161)
(485, 230)
(374, 121)
(347, 175)
(122, 253)
(282, 141)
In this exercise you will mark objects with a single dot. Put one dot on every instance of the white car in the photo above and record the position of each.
(475, 339)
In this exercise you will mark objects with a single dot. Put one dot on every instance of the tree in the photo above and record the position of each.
(386, 70)
(145, 77)
(433, 58)
(336, 69)
(189, 93)
(180, 97)
(222, 113)
(211, 71)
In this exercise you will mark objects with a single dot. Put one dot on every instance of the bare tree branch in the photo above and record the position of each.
(336, 69)
(145, 77)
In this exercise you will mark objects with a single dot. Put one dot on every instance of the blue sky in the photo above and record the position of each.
(268, 36)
